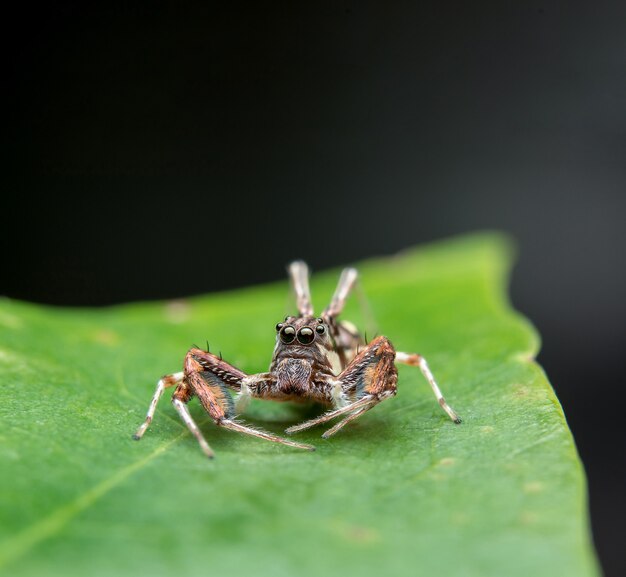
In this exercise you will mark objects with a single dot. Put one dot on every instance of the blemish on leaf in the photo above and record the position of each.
(177, 311)
(10, 321)
(106, 337)
(526, 393)
(446, 462)
(526, 357)
(486, 429)
(357, 533)
(533, 487)
(460, 519)
(529, 517)
(521, 390)
(10, 358)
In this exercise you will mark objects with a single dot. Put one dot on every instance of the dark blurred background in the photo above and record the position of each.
(156, 152)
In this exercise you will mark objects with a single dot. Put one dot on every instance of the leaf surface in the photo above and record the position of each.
(402, 491)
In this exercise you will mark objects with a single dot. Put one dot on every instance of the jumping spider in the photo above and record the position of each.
(316, 359)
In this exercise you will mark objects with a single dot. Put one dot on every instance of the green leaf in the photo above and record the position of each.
(402, 491)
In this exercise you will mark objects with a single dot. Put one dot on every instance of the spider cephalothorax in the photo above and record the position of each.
(316, 358)
(303, 356)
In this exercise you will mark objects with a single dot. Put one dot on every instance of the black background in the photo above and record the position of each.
(159, 152)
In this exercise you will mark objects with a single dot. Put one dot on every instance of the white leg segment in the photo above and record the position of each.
(233, 426)
(416, 360)
(164, 382)
(243, 398)
(299, 272)
(183, 411)
(347, 281)
(341, 424)
(330, 415)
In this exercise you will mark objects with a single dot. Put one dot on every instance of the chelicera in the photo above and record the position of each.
(316, 358)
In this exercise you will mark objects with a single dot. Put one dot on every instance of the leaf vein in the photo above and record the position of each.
(22, 542)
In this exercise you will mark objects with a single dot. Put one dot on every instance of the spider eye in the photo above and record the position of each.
(320, 329)
(287, 334)
(279, 326)
(320, 321)
(306, 335)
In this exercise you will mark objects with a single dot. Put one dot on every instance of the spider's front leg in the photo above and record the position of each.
(211, 379)
(369, 379)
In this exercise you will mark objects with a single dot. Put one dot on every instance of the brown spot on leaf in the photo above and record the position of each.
(533, 487)
(177, 311)
(357, 533)
(106, 337)
(529, 517)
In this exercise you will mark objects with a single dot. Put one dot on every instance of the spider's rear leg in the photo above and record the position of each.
(369, 379)
(346, 283)
(416, 360)
(299, 273)
(346, 336)
(210, 378)
(164, 382)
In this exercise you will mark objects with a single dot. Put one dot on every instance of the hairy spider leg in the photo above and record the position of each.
(164, 382)
(341, 424)
(185, 415)
(234, 426)
(346, 283)
(329, 415)
(181, 407)
(415, 360)
(299, 274)
(369, 379)
(211, 379)
(346, 336)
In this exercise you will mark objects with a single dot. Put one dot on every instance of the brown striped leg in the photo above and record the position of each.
(164, 382)
(369, 379)
(209, 378)
(416, 360)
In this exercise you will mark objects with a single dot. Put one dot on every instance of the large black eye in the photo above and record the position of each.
(306, 335)
(279, 326)
(320, 329)
(287, 334)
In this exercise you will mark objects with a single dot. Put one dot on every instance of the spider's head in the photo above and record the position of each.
(302, 331)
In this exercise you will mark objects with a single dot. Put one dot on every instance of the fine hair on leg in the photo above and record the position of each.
(299, 274)
(415, 360)
(164, 382)
(183, 411)
(240, 428)
(341, 424)
(329, 415)
(346, 283)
